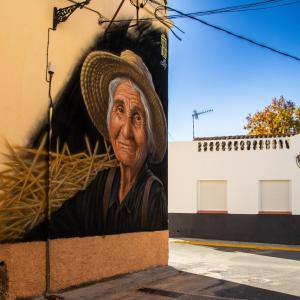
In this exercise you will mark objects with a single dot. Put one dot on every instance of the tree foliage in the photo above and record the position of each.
(278, 118)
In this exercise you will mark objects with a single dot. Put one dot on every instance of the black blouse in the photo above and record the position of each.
(82, 215)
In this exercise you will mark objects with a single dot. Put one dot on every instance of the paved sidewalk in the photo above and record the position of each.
(203, 272)
(165, 283)
(269, 267)
(118, 288)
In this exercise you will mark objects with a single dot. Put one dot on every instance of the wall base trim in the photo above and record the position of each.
(77, 261)
(277, 229)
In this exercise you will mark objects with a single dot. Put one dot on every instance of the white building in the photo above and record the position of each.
(236, 188)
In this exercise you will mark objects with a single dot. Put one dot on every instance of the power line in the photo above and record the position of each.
(236, 8)
(115, 15)
(270, 7)
(246, 39)
(230, 9)
(233, 34)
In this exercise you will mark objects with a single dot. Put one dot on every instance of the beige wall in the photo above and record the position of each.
(23, 34)
(23, 104)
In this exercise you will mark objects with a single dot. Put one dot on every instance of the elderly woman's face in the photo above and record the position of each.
(127, 126)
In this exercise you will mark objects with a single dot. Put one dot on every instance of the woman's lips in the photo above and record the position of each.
(127, 146)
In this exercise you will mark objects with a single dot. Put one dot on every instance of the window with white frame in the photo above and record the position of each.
(275, 196)
(212, 196)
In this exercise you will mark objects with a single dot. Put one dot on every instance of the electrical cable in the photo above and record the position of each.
(47, 54)
(226, 10)
(236, 8)
(169, 26)
(90, 9)
(49, 76)
(233, 34)
(269, 7)
(114, 16)
(47, 210)
(230, 9)
(137, 4)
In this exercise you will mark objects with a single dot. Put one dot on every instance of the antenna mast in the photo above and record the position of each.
(196, 115)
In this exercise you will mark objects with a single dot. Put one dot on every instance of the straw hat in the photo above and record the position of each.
(98, 70)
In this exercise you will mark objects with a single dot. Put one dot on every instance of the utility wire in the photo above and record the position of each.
(233, 34)
(114, 16)
(246, 39)
(230, 9)
(47, 54)
(90, 9)
(237, 8)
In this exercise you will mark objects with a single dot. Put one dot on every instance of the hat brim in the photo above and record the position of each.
(98, 70)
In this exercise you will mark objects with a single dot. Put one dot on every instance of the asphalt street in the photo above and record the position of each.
(267, 269)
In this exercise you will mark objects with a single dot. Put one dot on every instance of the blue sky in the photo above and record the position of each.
(210, 69)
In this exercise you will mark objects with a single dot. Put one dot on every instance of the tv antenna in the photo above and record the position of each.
(196, 115)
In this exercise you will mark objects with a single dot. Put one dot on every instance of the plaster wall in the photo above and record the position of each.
(24, 102)
(23, 33)
(241, 169)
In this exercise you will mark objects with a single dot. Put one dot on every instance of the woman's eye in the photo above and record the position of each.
(120, 109)
(137, 118)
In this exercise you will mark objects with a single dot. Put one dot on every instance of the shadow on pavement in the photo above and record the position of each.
(186, 285)
(164, 283)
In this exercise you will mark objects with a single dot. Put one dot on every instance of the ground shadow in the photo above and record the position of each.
(190, 286)
(169, 283)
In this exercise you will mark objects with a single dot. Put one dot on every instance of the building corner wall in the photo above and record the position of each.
(29, 43)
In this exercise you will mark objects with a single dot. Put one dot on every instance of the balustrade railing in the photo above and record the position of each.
(244, 144)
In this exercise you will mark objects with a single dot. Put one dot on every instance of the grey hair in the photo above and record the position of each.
(111, 90)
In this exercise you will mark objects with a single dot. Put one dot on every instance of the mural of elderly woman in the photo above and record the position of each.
(121, 101)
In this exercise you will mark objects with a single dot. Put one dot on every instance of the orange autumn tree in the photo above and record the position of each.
(278, 118)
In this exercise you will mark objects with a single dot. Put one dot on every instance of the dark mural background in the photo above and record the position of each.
(73, 136)
(71, 122)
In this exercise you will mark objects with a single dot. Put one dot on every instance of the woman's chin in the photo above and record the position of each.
(128, 162)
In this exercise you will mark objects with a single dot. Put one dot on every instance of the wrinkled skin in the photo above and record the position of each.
(128, 135)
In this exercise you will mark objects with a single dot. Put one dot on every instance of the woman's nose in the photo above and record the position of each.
(127, 128)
